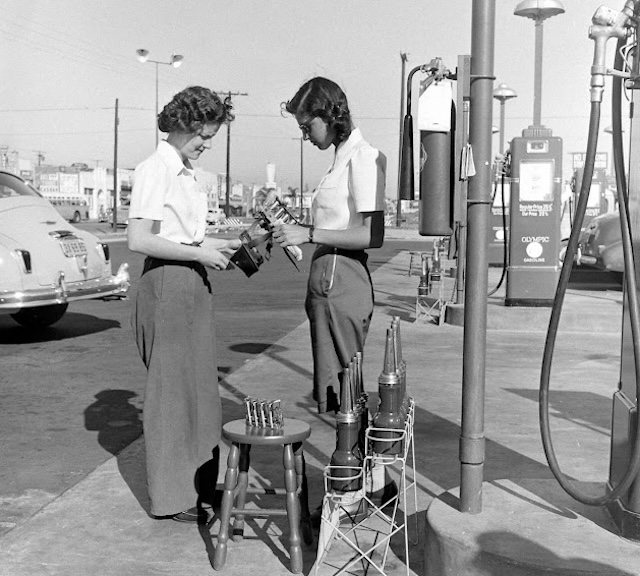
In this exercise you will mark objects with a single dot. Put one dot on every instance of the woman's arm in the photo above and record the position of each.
(369, 234)
(142, 238)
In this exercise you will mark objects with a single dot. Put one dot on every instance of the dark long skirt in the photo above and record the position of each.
(173, 322)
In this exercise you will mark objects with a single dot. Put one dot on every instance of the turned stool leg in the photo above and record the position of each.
(293, 509)
(303, 493)
(243, 483)
(230, 481)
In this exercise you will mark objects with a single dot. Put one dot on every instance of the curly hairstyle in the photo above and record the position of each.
(192, 108)
(323, 98)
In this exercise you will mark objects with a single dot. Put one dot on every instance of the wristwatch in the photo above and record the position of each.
(311, 230)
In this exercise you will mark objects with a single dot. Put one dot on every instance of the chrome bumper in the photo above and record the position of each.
(67, 292)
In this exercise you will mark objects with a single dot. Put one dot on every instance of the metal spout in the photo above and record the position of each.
(346, 396)
(389, 375)
(359, 378)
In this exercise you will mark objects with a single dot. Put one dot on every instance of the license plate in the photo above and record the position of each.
(73, 247)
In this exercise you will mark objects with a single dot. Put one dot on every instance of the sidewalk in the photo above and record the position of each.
(100, 527)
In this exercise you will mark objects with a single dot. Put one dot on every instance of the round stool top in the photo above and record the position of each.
(293, 431)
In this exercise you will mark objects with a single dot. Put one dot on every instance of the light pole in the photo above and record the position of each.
(538, 11)
(176, 61)
(301, 178)
(503, 93)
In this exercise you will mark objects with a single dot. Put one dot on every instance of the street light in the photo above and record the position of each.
(503, 93)
(176, 61)
(539, 11)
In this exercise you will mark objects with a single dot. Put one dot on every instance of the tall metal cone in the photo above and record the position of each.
(346, 397)
(360, 381)
(396, 320)
(389, 354)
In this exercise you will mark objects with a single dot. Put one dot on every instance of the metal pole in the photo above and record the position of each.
(403, 58)
(537, 80)
(226, 194)
(114, 223)
(228, 191)
(501, 149)
(155, 120)
(301, 178)
(477, 271)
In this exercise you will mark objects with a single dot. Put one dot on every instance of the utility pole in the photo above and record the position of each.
(114, 224)
(228, 190)
(403, 58)
(301, 178)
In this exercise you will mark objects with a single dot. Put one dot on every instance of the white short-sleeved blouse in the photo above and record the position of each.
(165, 190)
(355, 183)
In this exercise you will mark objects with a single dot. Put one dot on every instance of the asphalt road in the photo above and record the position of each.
(71, 395)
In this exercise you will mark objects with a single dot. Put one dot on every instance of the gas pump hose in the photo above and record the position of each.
(633, 468)
(505, 252)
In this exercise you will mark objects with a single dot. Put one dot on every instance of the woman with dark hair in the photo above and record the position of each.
(347, 218)
(173, 317)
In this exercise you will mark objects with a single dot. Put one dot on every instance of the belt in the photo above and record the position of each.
(151, 262)
(359, 255)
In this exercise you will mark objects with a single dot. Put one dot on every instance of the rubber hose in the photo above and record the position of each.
(634, 464)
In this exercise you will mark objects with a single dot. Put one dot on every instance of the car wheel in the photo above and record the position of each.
(76, 217)
(40, 316)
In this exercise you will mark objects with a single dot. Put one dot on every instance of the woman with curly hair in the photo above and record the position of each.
(173, 315)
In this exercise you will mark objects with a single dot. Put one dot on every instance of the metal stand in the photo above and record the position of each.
(441, 291)
(367, 527)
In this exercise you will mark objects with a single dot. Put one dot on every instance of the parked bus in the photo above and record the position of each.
(71, 208)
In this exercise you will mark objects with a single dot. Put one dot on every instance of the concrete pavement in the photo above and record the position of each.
(527, 526)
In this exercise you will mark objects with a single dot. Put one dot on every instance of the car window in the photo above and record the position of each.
(11, 185)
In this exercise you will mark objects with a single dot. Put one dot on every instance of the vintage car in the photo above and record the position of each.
(45, 262)
(600, 243)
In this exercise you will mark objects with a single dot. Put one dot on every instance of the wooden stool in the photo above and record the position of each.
(291, 436)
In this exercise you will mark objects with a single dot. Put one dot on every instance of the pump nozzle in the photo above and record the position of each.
(605, 24)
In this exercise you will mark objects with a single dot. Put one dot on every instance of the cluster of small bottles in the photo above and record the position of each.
(351, 424)
(389, 421)
(352, 420)
(263, 413)
(274, 211)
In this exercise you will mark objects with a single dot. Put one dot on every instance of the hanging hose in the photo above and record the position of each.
(505, 253)
(633, 468)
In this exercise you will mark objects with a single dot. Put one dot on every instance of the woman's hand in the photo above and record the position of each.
(225, 246)
(214, 252)
(212, 258)
(290, 234)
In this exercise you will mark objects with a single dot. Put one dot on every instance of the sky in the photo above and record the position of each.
(65, 63)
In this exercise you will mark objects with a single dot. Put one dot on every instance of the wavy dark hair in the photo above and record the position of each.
(192, 108)
(323, 98)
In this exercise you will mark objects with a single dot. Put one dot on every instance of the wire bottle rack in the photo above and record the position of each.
(365, 527)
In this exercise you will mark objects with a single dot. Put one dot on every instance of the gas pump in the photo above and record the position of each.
(534, 218)
(598, 203)
(623, 488)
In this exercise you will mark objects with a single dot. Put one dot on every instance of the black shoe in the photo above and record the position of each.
(195, 514)
(385, 496)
